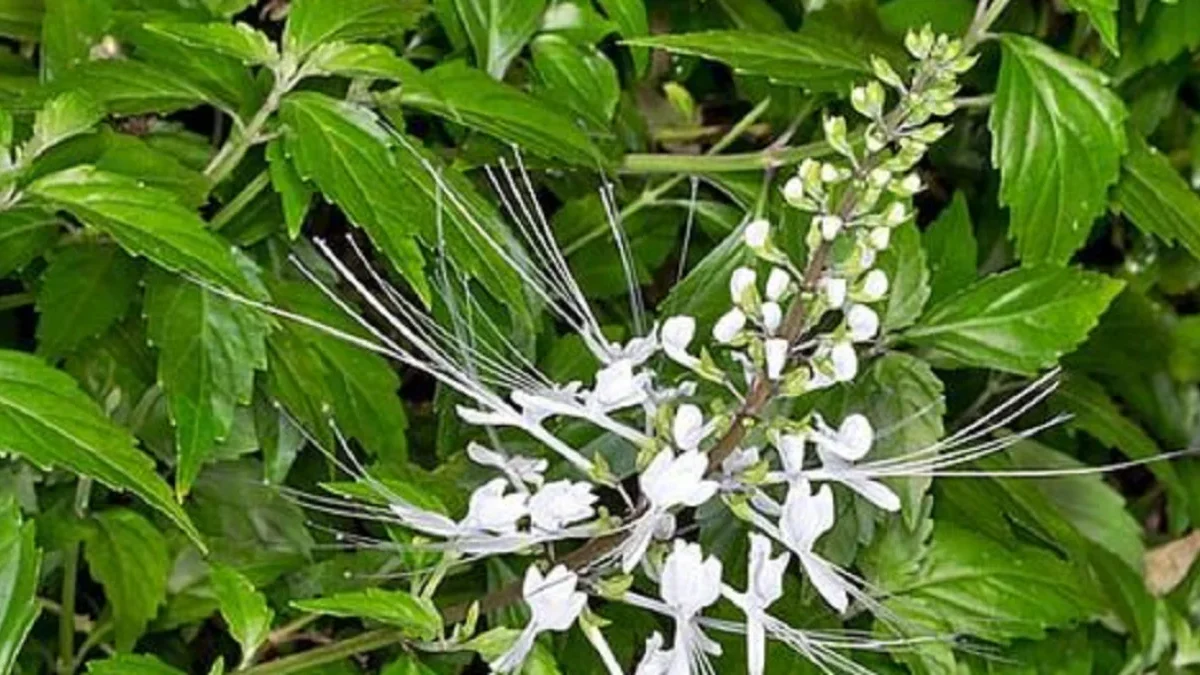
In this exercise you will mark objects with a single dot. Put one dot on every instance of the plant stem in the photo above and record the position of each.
(16, 300)
(243, 198)
(241, 140)
(66, 618)
(336, 651)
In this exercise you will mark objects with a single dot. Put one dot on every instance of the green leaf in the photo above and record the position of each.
(1169, 29)
(128, 556)
(20, 563)
(70, 30)
(131, 664)
(22, 19)
(208, 349)
(141, 160)
(1018, 321)
(1155, 198)
(86, 288)
(128, 87)
(315, 22)
(24, 233)
(969, 583)
(237, 40)
(357, 60)
(407, 665)
(579, 77)
(416, 616)
(466, 96)
(949, 243)
(498, 30)
(1103, 16)
(1058, 136)
(61, 118)
(908, 278)
(295, 195)
(47, 419)
(704, 292)
(145, 221)
(245, 609)
(816, 61)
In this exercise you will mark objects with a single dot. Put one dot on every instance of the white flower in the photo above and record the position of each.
(561, 503)
(839, 450)
(879, 238)
(670, 480)
(772, 316)
(777, 283)
(805, 518)
(834, 291)
(729, 325)
(520, 470)
(874, 286)
(764, 587)
(830, 226)
(791, 454)
(655, 660)
(689, 583)
(554, 605)
(618, 387)
(738, 461)
(491, 510)
(740, 283)
(757, 232)
(863, 323)
(844, 360)
(793, 190)
(677, 333)
(777, 352)
(895, 214)
(852, 440)
(689, 429)
(637, 351)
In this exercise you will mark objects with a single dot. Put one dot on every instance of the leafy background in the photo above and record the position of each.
(160, 150)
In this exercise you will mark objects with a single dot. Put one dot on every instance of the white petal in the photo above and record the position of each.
(740, 281)
(855, 437)
(829, 585)
(777, 352)
(875, 285)
(879, 238)
(689, 582)
(688, 429)
(845, 361)
(791, 452)
(756, 647)
(678, 331)
(772, 316)
(873, 491)
(729, 325)
(777, 283)
(757, 232)
(834, 291)
(863, 323)
(830, 226)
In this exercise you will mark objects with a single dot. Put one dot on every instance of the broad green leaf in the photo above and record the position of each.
(208, 349)
(1155, 198)
(317, 375)
(131, 664)
(814, 61)
(950, 246)
(20, 563)
(141, 160)
(1019, 321)
(237, 40)
(315, 22)
(498, 30)
(579, 77)
(128, 556)
(86, 288)
(245, 610)
(128, 87)
(47, 419)
(24, 233)
(359, 60)
(22, 19)
(1058, 137)
(227, 8)
(61, 118)
(632, 22)
(1103, 16)
(294, 194)
(70, 30)
(416, 616)
(145, 221)
(465, 95)
(222, 81)
(1169, 29)
(969, 583)
(908, 278)
(951, 17)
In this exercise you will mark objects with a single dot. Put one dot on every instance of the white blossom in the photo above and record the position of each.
(669, 481)
(520, 470)
(554, 605)
(834, 291)
(491, 510)
(757, 232)
(688, 428)
(677, 333)
(830, 226)
(772, 316)
(839, 450)
(863, 323)
(740, 283)
(844, 360)
(777, 353)
(805, 518)
(777, 283)
(655, 660)
(793, 190)
(764, 587)
(874, 286)
(561, 503)
(689, 583)
(729, 325)
(879, 238)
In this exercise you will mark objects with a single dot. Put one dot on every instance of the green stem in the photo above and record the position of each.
(66, 619)
(367, 642)
(93, 640)
(241, 140)
(16, 300)
(243, 199)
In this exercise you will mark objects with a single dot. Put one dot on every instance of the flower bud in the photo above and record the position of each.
(879, 177)
(884, 71)
(757, 232)
(772, 316)
(777, 283)
(835, 134)
(874, 286)
(776, 351)
(844, 360)
(869, 100)
(929, 133)
(741, 283)
(879, 237)
(793, 190)
(863, 323)
(830, 226)
(834, 291)
(908, 186)
(729, 325)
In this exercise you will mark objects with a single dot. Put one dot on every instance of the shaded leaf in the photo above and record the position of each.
(908, 278)
(245, 610)
(1155, 198)
(237, 40)
(85, 289)
(131, 664)
(22, 19)
(294, 193)
(128, 87)
(632, 21)
(579, 77)
(950, 246)
(70, 29)
(498, 30)
(1103, 16)
(315, 22)
(61, 118)
(128, 556)
(24, 233)
(416, 616)
(20, 563)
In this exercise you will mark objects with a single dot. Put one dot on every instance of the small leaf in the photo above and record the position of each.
(245, 609)
(466, 96)
(1155, 198)
(47, 419)
(1058, 140)
(237, 40)
(70, 29)
(498, 30)
(632, 22)
(316, 22)
(128, 87)
(145, 221)
(416, 616)
(1020, 321)
(908, 278)
(208, 349)
(815, 61)
(1103, 16)
(580, 77)
(61, 118)
(294, 193)
(128, 556)
(131, 664)
(950, 246)
(20, 563)
(85, 289)
(356, 60)
(25, 232)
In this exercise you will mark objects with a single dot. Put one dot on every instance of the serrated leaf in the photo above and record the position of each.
(128, 556)
(1103, 16)
(70, 29)
(294, 194)
(128, 87)
(498, 30)
(1168, 30)
(20, 564)
(950, 247)
(145, 221)
(358, 60)
(632, 21)
(238, 40)
(47, 419)
(245, 610)
(1019, 321)
(62, 117)
(131, 664)
(579, 77)
(86, 288)
(466, 96)
(24, 233)
(315, 22)
(416, 616)
(1058, 137)
(208, 349)
(1155, 198)
(814, 61)
(908, 278)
